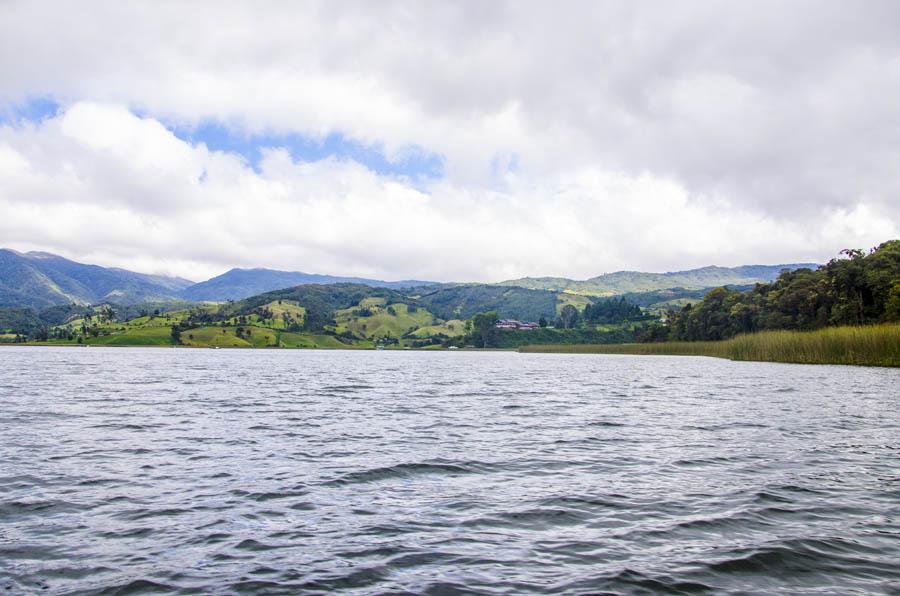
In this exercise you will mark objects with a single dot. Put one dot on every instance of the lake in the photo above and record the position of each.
(229, 471)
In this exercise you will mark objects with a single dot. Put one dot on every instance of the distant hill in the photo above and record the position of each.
(238, 284)
(625, 282)
(39, 280)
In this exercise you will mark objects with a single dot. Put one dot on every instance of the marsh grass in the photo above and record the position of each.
(875, 345)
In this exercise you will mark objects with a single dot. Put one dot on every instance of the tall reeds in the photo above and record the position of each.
(874, 345)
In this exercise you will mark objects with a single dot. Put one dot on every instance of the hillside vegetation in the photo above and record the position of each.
(308, 316)
(465, 301)
(337, 315)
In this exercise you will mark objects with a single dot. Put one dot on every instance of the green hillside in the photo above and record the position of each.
(310, 316)
(465, 301)
(373, 318)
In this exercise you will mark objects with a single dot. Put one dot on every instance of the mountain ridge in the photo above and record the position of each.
(623, 282)
(40, 279)
(239, 283)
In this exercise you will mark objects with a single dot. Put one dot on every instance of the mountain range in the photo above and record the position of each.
(40, 279)
(625, 282)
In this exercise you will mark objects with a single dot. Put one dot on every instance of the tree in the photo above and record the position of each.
(176, 334)
(542, 322)
(569, 316)
(892, 304)
(484, 328)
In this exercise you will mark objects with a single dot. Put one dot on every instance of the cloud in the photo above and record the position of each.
(607, 135)
(99, 183)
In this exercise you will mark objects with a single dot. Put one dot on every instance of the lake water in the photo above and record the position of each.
(224, 471)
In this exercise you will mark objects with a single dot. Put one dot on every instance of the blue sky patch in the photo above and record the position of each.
(415, 163)
(33, 110)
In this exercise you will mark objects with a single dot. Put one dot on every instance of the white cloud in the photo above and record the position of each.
(101, 184)
(603, 136)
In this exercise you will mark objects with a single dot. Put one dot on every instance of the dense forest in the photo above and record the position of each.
(854, 289)
(602, 321)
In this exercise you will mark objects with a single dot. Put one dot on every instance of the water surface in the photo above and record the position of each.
(226, 471)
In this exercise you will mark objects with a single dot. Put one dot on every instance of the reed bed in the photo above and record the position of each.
(875, 345)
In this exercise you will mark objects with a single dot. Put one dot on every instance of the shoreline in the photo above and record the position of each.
(876, 345)
(269, 348)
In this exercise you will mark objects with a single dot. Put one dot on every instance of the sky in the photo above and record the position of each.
(466, 141)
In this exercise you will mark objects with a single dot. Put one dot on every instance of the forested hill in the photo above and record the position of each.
(465, 300)
(853, 289)
(624, 282)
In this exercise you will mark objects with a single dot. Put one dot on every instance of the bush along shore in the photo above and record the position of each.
(871, 345)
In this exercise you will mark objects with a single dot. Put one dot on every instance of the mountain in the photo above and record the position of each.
(624, 282)
(40, 279)
(238, 284)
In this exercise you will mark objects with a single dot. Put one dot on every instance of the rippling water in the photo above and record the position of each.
(203, 471)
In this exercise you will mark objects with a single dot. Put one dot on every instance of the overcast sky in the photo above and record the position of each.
(448, 140)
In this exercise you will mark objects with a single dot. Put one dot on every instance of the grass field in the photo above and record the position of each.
(309, 340)
(146, 336)
(381, 322)
(284, 313)
(877, 345)
(577, 300)
(452, 328)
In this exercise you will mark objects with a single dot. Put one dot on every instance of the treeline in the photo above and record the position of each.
(570, 327)
(613, 310)
(854, 289)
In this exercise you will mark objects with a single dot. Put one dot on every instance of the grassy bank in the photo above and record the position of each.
(876, 345)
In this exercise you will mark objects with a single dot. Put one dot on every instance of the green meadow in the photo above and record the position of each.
(452, 328)
(374, 318)
(871, 345)
(275, 324)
